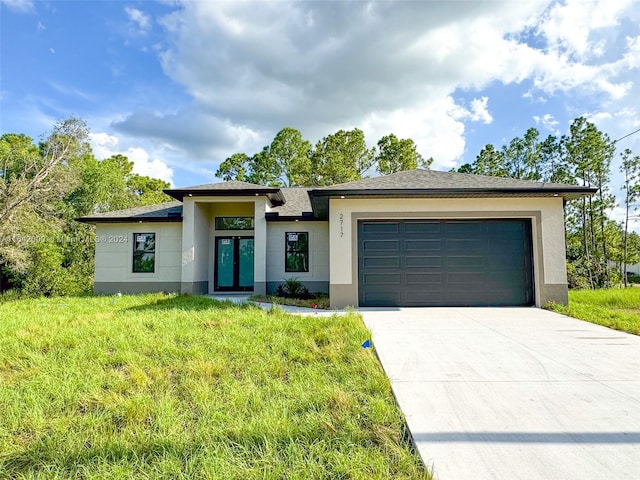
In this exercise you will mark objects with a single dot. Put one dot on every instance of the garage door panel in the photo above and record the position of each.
(382, 262)
(423, 228)
(423, 278)
(469, 297)
(464, 245)
(381, 227)
(422, 261)
(381, 245)
(384, 298)
(445, 262)
(422, 245)
(464, 261)
(382, 279)
(504, 228)
(464, 227)
(424, 297)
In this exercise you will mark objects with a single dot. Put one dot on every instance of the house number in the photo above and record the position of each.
(342, 224)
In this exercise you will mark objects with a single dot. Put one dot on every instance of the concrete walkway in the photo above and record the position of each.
(513, 393)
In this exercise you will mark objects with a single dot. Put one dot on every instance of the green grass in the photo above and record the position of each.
(617, 308)
(321, 301)
(170, 387)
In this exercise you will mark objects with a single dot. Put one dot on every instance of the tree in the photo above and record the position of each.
(234, 167)
(264, 169)
(43, 250)
(631, 169)
(553, 161)
(283, 163)
(341, 157)
(291, 154)
(521, 158)
(29, 177)
(396, 155)
(590, 152)
(490, 162)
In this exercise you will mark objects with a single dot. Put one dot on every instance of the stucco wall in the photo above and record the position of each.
(547, 217)
(198, 241)
(317, 279)
(114, 258)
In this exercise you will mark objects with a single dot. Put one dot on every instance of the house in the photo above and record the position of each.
(413, 238)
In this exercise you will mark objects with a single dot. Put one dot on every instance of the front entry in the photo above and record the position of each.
(234, 264)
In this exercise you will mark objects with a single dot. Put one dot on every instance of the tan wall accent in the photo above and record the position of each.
(318, 251)
(547, 217)
(198, 236)
(260, 246)
(114, 252)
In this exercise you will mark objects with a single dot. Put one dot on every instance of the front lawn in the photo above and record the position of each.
(617, 308)
(170, 387)
(320, 301)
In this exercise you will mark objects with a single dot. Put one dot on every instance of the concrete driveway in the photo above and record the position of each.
(510, 393)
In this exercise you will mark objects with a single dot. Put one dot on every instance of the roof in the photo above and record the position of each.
(312, 203)
(227, 189)
(162, 212)
(435, 184)
(435, 180)
(297, 205)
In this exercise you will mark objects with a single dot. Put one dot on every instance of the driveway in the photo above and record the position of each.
(513, 393)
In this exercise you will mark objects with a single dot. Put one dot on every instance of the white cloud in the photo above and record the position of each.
(141, 19)
(144, 165)
(435, 126)
(547, 121)
(255, 67)
(105, 146)
(479, 111)
(19, 5)
(569, 27)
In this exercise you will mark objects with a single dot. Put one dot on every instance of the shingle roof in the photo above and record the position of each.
(163, 212)
(434, 184)
(432, 179)
(296, 202)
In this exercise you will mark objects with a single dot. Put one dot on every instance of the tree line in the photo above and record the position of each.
(342, 157)
(44, 186)
(584, 156)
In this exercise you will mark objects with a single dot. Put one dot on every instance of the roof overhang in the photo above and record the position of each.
(274, 195)
(305, 217)
(94, 220)
(320, 198)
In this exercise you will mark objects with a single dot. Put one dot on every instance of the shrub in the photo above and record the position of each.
(293, 288)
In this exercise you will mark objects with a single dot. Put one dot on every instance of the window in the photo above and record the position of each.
(234, 223)
(144, 252)
(296, 252)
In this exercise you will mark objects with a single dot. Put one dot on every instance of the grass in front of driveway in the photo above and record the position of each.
(321, 301)
(617, 308)
(160, 386)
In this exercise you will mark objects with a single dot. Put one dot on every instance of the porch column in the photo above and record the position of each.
(195, 248)
(188, 247)
(260, 247)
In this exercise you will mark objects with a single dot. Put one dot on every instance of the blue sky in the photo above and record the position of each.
(180, 85)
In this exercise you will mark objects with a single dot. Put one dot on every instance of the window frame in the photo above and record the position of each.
(136, 251)
(218, 223)
(299, 251)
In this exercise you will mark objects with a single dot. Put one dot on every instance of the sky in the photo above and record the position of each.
(178, 86)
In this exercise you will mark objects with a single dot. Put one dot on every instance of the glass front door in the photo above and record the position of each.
(234, 264)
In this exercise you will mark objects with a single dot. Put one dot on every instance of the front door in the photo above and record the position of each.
(234, 264)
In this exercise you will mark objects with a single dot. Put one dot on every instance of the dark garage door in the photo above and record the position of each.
(445, 263)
